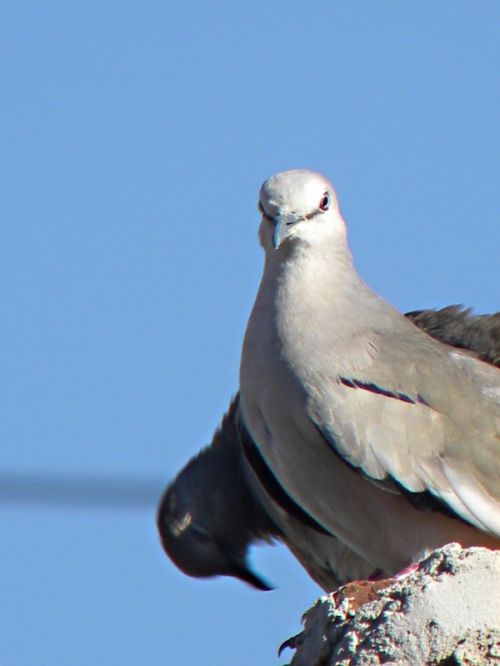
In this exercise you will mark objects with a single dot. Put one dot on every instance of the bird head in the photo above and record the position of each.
(299, 205)
(192, 541)
(208, 517)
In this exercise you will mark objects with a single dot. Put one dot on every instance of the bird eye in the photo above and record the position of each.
(324, 204)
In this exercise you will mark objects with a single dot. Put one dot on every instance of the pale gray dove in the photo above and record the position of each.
(356, 412)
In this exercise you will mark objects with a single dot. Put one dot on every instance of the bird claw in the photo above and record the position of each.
(292, 643)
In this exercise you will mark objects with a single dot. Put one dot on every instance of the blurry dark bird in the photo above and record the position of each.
(226, 498)
(209, 515)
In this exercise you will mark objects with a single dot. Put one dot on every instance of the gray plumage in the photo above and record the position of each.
(351, 406)
(209, 515)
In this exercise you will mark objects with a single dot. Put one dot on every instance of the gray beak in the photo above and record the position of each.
(283, 224)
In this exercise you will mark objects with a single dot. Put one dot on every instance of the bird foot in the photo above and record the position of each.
(411, 568)
(357, 593)
(360, 592)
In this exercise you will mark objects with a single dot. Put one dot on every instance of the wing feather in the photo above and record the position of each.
(424, 416)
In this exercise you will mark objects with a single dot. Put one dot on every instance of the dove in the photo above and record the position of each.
(209, 515)
(360, 416)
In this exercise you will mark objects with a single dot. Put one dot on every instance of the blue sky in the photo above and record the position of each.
(134, 137)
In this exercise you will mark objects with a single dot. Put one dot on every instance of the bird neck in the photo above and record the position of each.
(310, 280)
(317, 301)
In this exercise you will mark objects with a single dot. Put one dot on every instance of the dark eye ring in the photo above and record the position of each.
(324, 204)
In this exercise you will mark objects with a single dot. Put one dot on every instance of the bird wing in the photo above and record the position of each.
(457, 326)
(421, 415)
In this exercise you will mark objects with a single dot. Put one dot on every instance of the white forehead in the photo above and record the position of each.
(297, 190)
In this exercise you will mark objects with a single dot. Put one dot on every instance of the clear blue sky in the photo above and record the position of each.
(134, 137)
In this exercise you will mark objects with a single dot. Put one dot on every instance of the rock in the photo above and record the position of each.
(445, 613)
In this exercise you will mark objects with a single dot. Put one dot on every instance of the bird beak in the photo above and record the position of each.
(283, 224)
(244, 573)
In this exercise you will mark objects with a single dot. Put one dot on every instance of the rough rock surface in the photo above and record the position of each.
(446, 613)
